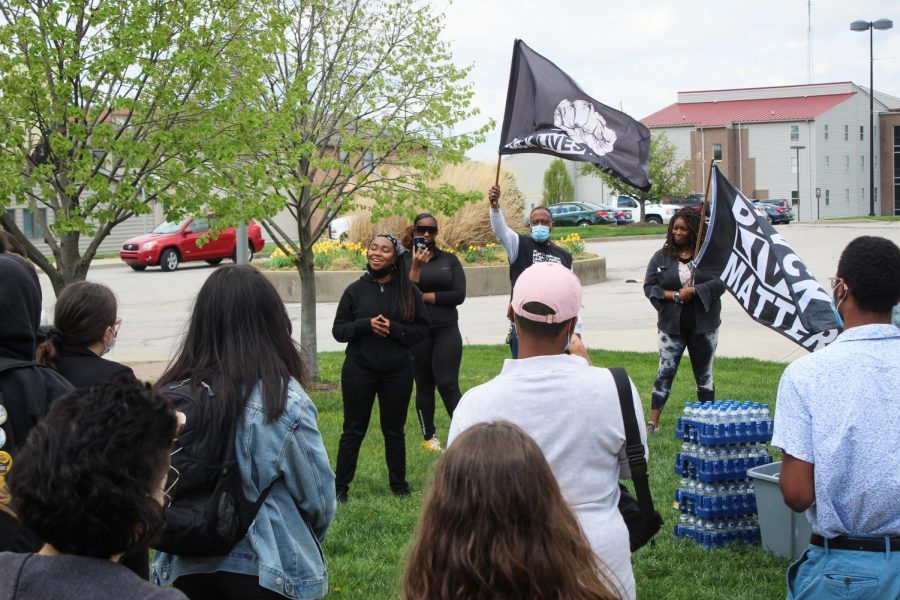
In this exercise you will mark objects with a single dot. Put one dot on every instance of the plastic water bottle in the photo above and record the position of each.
(766, 420)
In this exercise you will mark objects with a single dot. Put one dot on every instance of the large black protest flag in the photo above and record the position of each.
(761, 270)
(547, 112)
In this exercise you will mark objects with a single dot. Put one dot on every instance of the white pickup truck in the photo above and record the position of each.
(653, 213)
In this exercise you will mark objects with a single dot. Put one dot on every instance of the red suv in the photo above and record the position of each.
(173, 243)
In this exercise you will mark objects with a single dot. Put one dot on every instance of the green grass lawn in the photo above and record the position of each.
(608, 231)
(866, 218)
(367, 542)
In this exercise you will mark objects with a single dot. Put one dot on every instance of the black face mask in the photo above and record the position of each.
(379, 273)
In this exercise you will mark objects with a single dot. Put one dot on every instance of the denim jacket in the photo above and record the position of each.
(283, 545)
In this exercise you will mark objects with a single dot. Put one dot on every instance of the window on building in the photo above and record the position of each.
(795, 133)
(368, 161)
(717, 151)
(11, 213)
(794, 197)
(846, 164)
(794, 165)
(827, 163)
(862, 132)
(846, 133)
(31, 227)
(847, 195)
(862, 195)
(827, 197)
(862, 163)
(825, 131)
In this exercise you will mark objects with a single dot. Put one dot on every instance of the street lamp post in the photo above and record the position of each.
(798, 149)
(818, 204)
(870, 26)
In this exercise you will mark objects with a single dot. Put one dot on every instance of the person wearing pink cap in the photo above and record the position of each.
(569, 407)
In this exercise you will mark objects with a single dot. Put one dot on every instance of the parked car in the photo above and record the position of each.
(779, 211)
(653, 211)
(339, 228)
(760, 209)
(171, 244)
(581, 214)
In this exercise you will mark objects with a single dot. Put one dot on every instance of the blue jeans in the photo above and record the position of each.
(826, 573)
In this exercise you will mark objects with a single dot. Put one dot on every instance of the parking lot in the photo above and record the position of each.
(155, 306)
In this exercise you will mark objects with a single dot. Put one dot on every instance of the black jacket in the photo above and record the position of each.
(662, 275)
(364, 299)
(83, 368)
(532, 252)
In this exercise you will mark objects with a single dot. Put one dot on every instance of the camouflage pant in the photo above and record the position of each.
(702, 348)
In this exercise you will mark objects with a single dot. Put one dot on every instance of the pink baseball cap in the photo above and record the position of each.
(551, 284)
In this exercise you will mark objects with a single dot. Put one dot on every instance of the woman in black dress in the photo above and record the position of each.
(442, 281)
(380, 316)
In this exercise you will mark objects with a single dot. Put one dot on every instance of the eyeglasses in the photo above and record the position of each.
(421, 229)
(116, 325)
(835, 281)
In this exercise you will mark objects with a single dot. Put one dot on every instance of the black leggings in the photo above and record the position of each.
(702, 347)
(437, 359)
(359, 386)
(224, 585)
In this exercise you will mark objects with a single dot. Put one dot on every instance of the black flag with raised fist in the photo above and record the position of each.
(547, 112)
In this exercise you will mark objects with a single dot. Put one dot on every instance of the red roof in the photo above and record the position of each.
(720, 114)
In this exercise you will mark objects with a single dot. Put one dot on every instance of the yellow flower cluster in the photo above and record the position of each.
(335, 246)
(571, 238)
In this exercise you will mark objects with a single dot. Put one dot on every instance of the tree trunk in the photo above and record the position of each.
(308, 314)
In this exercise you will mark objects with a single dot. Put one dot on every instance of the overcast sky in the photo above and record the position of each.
(637, 55)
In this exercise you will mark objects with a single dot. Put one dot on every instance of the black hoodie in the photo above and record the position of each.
(26, 390)
(364, 299)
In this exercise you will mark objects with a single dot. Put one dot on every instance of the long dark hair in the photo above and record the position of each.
(496, 526)
(84, 310)
(239, 337)
(691, 217)
(404, 294)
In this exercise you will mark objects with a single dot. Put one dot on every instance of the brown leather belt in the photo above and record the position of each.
(846, 542)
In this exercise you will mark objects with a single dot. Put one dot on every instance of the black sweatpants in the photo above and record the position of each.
(359, 386)
(437, 359)
(224, 585)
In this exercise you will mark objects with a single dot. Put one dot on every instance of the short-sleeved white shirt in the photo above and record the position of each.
(839, 409)
(572, 412)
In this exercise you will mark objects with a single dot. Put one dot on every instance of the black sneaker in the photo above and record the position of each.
(401, 493)
(342, 496)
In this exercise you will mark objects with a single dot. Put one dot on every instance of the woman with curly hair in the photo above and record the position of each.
(380, 316)
(89, 483)
(495, 526)
(440, 277)
(688, 306)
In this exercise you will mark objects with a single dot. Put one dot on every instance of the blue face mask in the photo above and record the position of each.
(540, 233)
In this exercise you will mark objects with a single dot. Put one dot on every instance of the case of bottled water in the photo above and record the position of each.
(721, 441)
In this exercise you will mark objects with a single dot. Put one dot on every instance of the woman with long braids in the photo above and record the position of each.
(688, 304)
(440, 277)
(380, 316)
(496, 526)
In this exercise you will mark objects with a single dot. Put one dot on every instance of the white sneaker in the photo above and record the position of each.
(432, 445)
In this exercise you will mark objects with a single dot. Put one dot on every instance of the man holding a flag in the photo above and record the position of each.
(838, 423)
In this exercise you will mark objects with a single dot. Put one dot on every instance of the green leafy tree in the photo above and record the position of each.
(107, 107)
(558, 186)
(360, 104)
(669, 176)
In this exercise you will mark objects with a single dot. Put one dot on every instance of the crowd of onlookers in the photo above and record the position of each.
(221, 468)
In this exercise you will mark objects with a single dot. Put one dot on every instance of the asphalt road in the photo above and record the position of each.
(155, 306)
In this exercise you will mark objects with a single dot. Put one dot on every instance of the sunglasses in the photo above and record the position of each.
(422, 229)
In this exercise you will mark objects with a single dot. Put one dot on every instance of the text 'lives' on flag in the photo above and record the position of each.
(547, 112)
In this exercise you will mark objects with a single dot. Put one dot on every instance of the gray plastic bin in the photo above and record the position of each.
(783, 531)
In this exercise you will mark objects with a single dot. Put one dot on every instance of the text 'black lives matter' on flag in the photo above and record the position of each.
(761, 270)
(547, 112)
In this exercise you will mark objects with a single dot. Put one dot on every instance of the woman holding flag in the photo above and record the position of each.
(688, 305)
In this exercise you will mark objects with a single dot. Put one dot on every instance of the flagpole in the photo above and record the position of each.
(702, 219)
(497, 176)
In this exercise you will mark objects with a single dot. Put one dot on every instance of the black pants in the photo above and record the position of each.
(359, 387)
(224, 585)
(437, 359)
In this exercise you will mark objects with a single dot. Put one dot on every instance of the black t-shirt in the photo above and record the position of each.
(444, 276)
(531, 252)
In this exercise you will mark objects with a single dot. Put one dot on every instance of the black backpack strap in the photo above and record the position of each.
(634, 448)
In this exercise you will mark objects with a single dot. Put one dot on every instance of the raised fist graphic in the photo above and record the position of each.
(585, 125)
